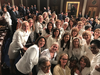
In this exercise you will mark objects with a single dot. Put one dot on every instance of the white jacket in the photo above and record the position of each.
(29, 59)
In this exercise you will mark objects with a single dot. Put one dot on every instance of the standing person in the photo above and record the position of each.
(25, 65)
(95, 48)
(7, 17)
(19, 40)
(61, 68)
(34, 9)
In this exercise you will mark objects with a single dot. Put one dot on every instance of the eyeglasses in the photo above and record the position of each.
(47, 66)
(91, 47)
(64, 59)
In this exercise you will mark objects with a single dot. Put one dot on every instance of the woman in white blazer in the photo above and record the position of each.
(54, 37)
(64, 44)
(19, 40)
(25, 65)
(51, 53)
(7, 17)
(95, 48)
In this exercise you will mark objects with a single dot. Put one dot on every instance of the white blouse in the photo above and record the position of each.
(38, 27)
(51, 40)
(40, 72)
(46, 53)
(29, 59)
(7, 18)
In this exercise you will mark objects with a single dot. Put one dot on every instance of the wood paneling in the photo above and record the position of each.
(55, 5)
(17, 2)
(92, 6)
(43, 3)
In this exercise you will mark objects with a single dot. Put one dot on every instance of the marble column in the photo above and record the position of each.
(38, 5)
(84, 7)
(12, 2)
(21, 1)
(47, 3)
(99, 14)
(61, 6)
(0, 2)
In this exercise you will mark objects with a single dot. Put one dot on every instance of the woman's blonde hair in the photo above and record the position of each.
(86, 33)
(33, 27)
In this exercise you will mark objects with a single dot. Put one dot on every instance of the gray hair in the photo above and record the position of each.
(43, 60)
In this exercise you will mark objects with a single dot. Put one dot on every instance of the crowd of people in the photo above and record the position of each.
(50, 43)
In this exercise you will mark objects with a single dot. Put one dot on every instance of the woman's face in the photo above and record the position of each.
(66, 38)
(45, 15)
(50, 26)
(54, 48)
(87, 37)
(76, 42)
(82, 63)
(71, 23)
(58, 25)
(56, 33)
(94, 48)
(41, 42)
(64, 60)
(97, 33)
(72, 63)
(65, 26)
(30, 23)
(25, 27)
(46, 67)
(40, 19)
(34, 18)
(5, 9)
(74, 33)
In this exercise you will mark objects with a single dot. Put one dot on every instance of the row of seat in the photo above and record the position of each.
(3, 38)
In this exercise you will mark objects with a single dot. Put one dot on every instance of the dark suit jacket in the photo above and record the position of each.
(61, 17)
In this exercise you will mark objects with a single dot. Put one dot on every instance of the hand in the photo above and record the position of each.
(97, 68)
(24, 48)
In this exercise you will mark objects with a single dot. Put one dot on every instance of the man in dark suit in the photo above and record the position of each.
(27, 11)
(66, 15)
(24, 11)
(17, 13)
(61, 16)
(14, 19)
(34, 10)
(31, 9)
(79, 16)
(86, 16)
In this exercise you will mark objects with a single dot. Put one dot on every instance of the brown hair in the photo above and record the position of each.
(74, 29)
(86, 60)
(86, 33)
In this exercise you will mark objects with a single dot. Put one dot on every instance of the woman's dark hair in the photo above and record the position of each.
(47, 30)
(72, 21)
(96, 42)
(86, 60)
(68, 42)
(36, 42)
(54, 30)
(73, 58)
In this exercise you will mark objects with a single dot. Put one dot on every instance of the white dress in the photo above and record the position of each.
(20, 38)
(94, 62)
(29, 59)
(40, 72)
